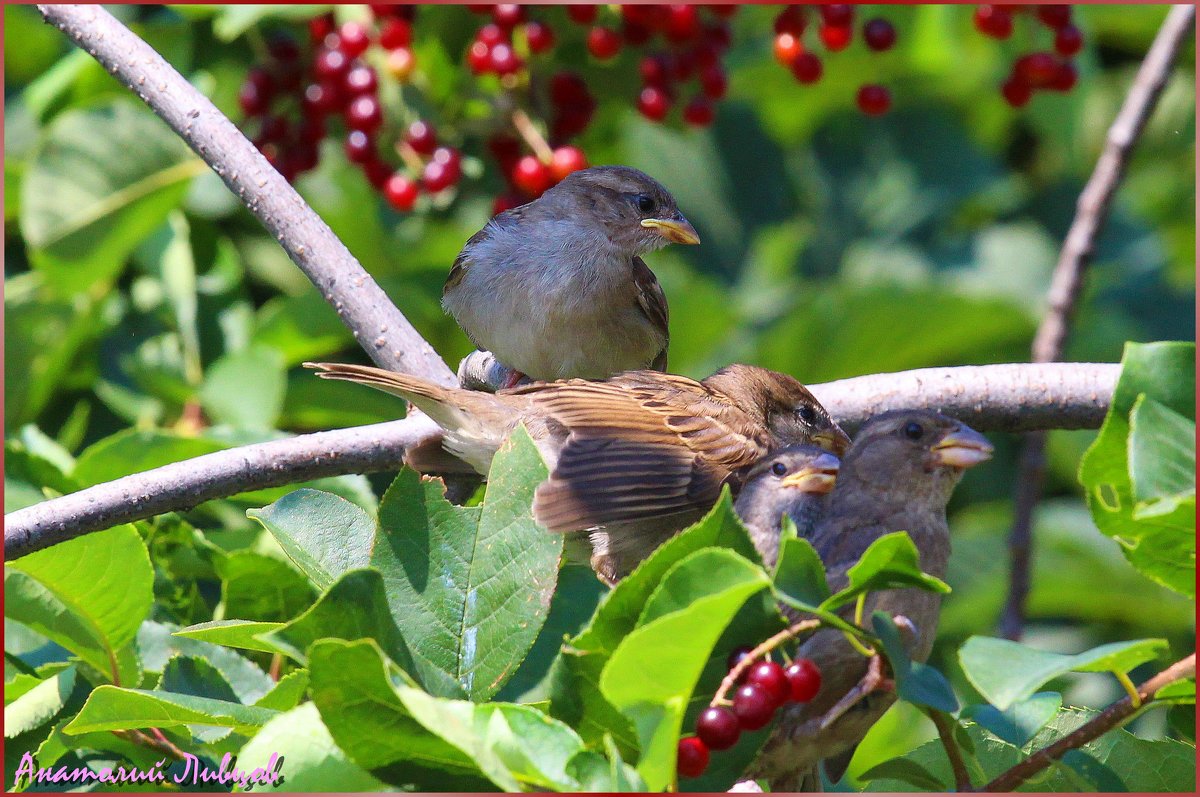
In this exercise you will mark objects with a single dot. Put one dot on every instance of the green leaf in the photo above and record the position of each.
(325, 535)
(1007, 672)
(88, 594)
(245, 388)
(1021, 721)
(1183, 692)
(303, 327)
(800, 574)
(38, 705)
(908, 771)
(312, 762)
(469, 587)
(654, 669)
(258, 587)
(916, 682)
(157, 645)
(1162, 457)
(189, 675)
(287, 693)
(232, 633)
(102, 180)
(111, 708)
(891, 561)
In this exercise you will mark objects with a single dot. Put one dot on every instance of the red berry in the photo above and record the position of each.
(504, 60)
(691, 757)
(874, 100)
(879, 34)
(531, 176)
(568, 88)
(713, 82)
(807, 68)
(1036, 69)
(571, 122)
(506, 150)
(364, 113)
(682, 23)
(353, 39)
(836, 38)
(310, 130)
(360, 80)
(994, 21)
(654, 69)
(320, 27)
(723, 11)
(1065, 78)
(539, 35)
(507, 15)
(653, 103)
(331, 65)
(283, 47)
(1016, 92)
(737, 655)
(804, 678)
(304, 156)
(788, 48)
(769, 676)
(699, 112)
(718, 36)
(718, 728)
(1054, 16)
(378, 173)
(320, 99)
(603, 42)
(401, 192)
(506, 202)
(1068, 40)
(492, 35)
(395, 33)
(421, 137)
(274, 129)
(359, 147)
(400, 63)
(635, 33)
(584, 15)
(791, 20)
(566, 160)
(753, 706)
(253, 100)
(438, 176)
(683, 66)
(479, 58)
(838, 15)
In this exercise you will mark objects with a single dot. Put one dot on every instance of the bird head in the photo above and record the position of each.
(794, 470)
(635, 212)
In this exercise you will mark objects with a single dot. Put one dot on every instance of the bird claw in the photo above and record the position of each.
(480, 370)
(874, 680)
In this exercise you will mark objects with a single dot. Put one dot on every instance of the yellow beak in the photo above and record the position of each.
(678, 231)
(833, 440)
(962, 448)
(817, 479)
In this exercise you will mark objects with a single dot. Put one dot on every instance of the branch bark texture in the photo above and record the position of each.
(1067, 281)
(378, 326)
(988, 397)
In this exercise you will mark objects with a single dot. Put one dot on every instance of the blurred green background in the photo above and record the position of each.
(150, 318)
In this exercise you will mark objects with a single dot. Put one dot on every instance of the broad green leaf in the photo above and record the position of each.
(908, 771)
(259, 587)
(303, 327)
(88, 594)
(654, 669)
(312, 761)
(245, 388)
(158, 644)
(1007, 672)
(1021, 721)
(1179, 692)
(609, 772)
(103, 178)
(697, 576)
(890, 561)
(325, 535)
(800, 574)
(38, 705)
(916, 682)
(134, 451)
(190, 675)
(1162, 457)
(287, 693)
(111, 708)
(232, 633)
(355, 607)
(469, 587)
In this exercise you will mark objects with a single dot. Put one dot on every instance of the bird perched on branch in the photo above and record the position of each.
(556, 288)
(632, 459)
(793, 482)
(897, 476)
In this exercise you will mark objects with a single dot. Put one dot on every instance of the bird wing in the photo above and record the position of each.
(463, 261)
(641, 445)
(653, 303)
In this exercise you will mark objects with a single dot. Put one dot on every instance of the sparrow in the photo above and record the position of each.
(631, 459)
(793, 481)
(557, 288)
(897, 476)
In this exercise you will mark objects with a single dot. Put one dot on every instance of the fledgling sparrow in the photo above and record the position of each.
(632, 459)
(557, 289)
(897, 476)
(793, 481)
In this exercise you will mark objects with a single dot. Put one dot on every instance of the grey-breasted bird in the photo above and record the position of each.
(898, 475)
(556, 288)
(793, 481)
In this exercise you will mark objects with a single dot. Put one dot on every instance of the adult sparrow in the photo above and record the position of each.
(557, 289)
(634, 458)
(793, 481)
(897, 476)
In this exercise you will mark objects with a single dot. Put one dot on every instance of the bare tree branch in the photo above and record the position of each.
(1105, 721)
(1067, 282)
(988, 397)
(381, 329)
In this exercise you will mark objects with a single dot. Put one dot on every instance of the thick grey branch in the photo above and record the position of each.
(381, 329)
(988, 397)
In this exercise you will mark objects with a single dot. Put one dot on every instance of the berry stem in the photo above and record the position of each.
(412, 159)
(735, 673)
(859, 646)
(532, 136)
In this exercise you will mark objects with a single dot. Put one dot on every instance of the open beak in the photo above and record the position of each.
(962, 448)
(818, 478)
(834, 440)
(678, 230)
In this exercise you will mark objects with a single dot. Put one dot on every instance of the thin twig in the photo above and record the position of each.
(1067, 282)
(378, 326)
(988, 397)
(941, 721)
(750, 659)
(1113, 716)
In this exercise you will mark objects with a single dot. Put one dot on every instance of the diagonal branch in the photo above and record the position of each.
(943, 722)
(1067, 282)
(989, 397)
(381, 329)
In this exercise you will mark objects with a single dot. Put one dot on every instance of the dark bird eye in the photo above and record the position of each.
(645, 204)
(779, 469)
(913, 430)
(807, 414)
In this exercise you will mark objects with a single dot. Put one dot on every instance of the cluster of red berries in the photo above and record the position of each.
(835, 33)
(528, 176)
(493, 51)
(1039, 70)
(763, 688)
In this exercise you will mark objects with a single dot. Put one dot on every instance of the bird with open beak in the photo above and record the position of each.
(557, 288)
